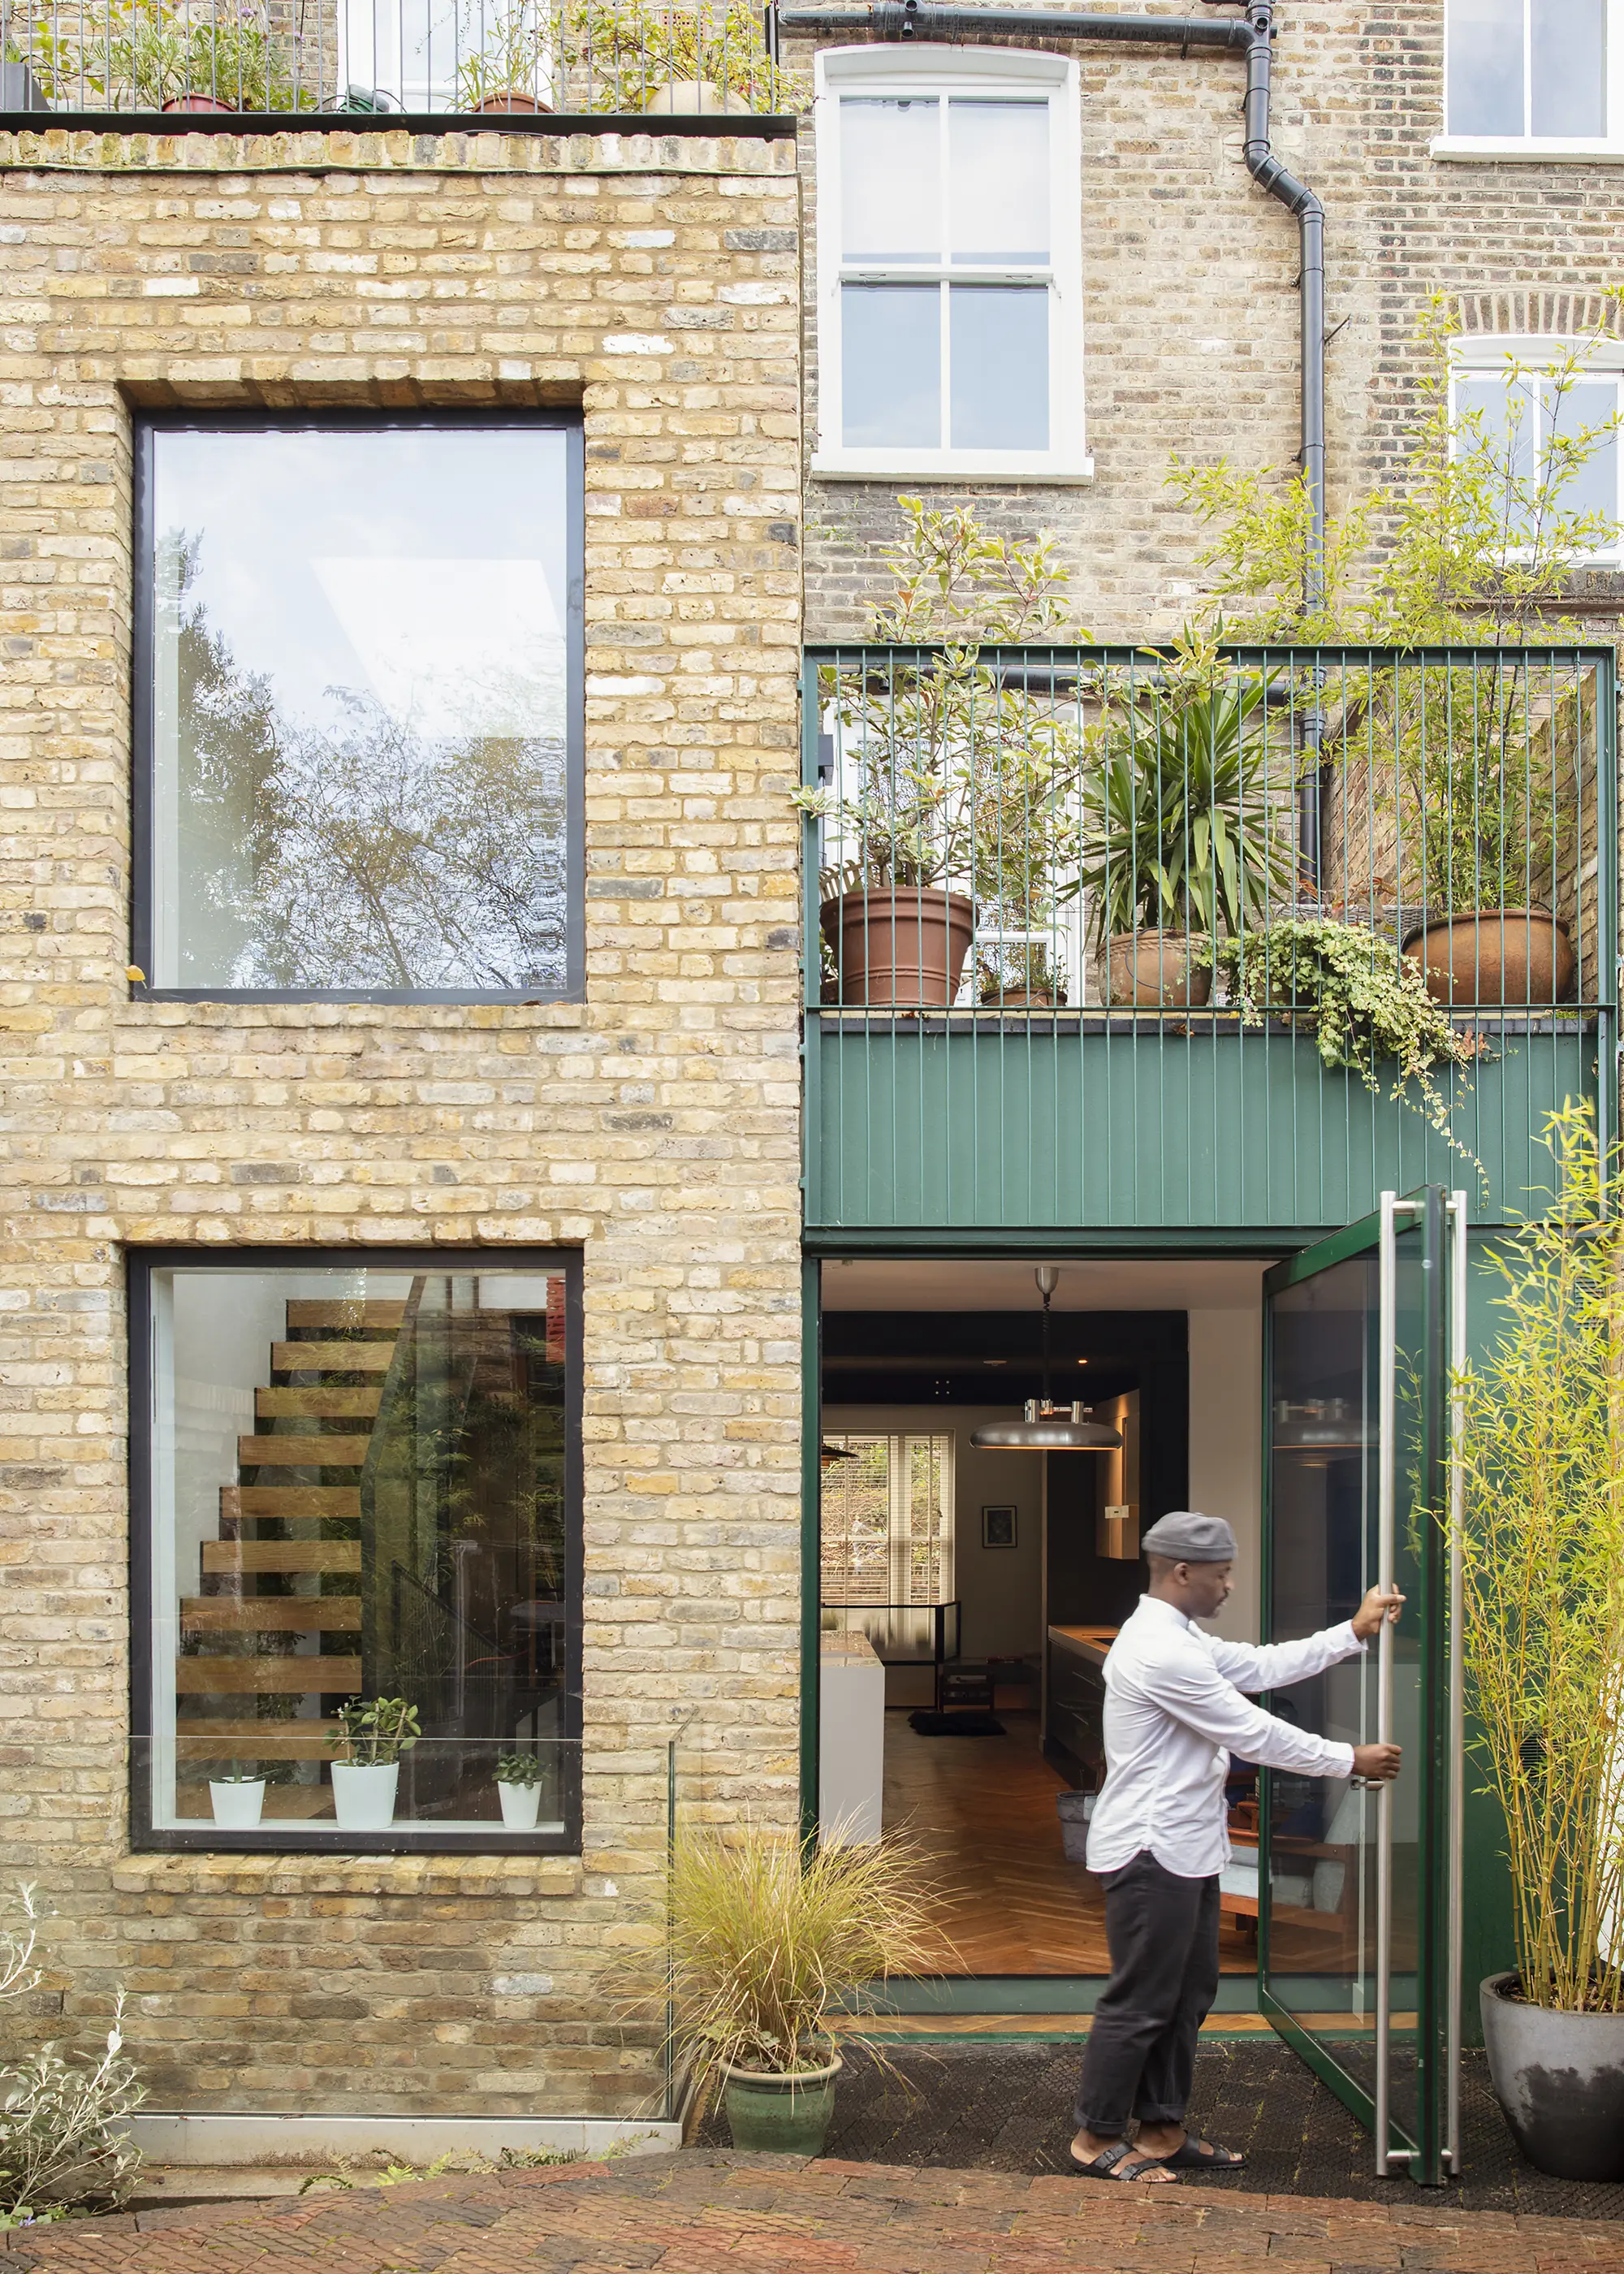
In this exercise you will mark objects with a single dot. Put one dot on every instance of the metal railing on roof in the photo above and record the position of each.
(516, 59)
(1128, 860)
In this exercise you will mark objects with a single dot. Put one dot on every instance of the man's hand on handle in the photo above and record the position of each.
(1377, 1764)
(1379, 1603)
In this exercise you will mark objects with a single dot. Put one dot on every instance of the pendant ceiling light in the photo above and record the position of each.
(1047, 1428)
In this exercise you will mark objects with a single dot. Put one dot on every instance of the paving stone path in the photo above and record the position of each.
(706, 2212)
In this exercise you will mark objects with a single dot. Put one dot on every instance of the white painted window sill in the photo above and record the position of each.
(1523, 152)
(874, 469)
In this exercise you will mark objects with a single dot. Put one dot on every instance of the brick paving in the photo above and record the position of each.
(703, 2213)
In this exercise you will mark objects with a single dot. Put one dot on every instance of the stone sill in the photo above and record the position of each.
(493, 1877)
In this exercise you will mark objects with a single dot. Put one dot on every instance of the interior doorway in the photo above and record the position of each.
(968, 1594)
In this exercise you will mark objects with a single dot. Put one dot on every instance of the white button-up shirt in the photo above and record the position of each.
(1173, 1713)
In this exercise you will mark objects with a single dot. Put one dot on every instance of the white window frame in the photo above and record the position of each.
(1544, 149)
(1482, 356)
(941, 73)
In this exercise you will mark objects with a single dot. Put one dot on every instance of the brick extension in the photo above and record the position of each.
(703, 2213)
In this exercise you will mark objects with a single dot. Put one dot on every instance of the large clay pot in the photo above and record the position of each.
(1559, 2078)
(511, 100)
(198, 103)
(685, 98)
(1152, 969)
(1019, 999)
(899, 944)
(780, 2115)
(1495, 955)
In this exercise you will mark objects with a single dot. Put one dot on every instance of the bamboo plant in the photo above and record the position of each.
(1540, 1448)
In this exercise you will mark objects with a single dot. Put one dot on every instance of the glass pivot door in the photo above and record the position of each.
(1358, 1909)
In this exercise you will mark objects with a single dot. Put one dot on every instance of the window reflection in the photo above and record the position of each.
(359, 709)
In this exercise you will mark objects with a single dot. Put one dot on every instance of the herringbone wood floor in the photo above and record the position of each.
(983, 1811)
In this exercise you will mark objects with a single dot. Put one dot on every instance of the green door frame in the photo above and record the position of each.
(1058, 1994)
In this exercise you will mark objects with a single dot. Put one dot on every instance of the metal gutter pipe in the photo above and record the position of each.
(911, 19)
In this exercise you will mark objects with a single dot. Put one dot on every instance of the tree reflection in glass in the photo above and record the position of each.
(359, 710)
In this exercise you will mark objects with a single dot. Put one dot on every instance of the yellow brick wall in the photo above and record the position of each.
(653, 281)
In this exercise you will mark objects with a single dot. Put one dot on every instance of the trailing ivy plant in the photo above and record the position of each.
(1366, 1004)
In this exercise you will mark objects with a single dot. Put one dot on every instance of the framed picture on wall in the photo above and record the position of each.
(997, 1527)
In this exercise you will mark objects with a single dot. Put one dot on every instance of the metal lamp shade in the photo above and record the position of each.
(1052, 1436)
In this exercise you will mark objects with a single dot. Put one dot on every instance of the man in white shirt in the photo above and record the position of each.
(1159, 1838)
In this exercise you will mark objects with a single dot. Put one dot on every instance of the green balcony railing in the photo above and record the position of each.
(1117, 937)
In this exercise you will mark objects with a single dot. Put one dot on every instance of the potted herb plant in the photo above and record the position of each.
(753, 1940)
(374, 1732)
(518, 1787)
(1540, 1448)
(161, 56)
(1186, 822)
(505, 62)
(955, 789)
(637, 55)
(238, 1798)
(1491, 823)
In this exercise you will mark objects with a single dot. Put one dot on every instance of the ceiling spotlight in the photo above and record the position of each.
(1046, 1427)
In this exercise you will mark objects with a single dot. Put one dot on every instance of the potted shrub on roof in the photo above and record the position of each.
(1541, 1451)
(161, 56)
(752, 1943)
(1187, 816)
(635, 55)
(505, 63)
(1483, 813)
(954, 788)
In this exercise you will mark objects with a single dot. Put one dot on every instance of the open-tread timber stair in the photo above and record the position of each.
(287, 1558)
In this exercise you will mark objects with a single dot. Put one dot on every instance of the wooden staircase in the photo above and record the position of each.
(289, 1541)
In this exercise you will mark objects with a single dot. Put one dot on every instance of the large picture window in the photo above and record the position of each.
(356, 1549)
(887, 1557)
(950, 267)
(357, 708)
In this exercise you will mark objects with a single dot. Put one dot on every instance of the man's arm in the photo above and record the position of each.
(1252, 1667)
(1192, 1689)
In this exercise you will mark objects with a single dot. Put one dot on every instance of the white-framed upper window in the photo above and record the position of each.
(1507, 388)
(950, 265)
(1536, 79)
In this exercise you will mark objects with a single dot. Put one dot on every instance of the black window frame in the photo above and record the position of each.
(151, 423)
(399, 1839)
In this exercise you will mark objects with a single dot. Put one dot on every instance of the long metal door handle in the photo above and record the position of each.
(1454, 1765)
(1386, 1402)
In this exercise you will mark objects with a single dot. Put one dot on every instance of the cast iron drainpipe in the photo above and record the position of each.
(909, 19)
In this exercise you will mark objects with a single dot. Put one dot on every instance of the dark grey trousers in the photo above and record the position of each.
(1140, 2059)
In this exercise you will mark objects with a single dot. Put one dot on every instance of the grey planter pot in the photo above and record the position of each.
(1559, 2078)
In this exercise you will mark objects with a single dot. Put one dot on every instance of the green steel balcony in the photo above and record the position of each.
(1082, 918)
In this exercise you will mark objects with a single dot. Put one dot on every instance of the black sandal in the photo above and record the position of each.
(1108, 2164)
(1196, 2156)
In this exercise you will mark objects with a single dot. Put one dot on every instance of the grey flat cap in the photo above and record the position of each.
(1184, 1536)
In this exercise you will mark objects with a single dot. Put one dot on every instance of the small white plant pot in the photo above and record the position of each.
(236, 1805)
(364, 1798)
(521, 1805)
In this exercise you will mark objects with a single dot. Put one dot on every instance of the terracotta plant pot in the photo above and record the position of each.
(1559, 2078)
(1019, 999)
(1152, 970)
(511, 100)
(779, 2115)
(899, 944)
(198, 103)
(1496, 955)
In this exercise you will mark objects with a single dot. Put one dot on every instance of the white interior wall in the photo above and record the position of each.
(1224, 1303)
(1226, 1449)
(1000, 1588)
